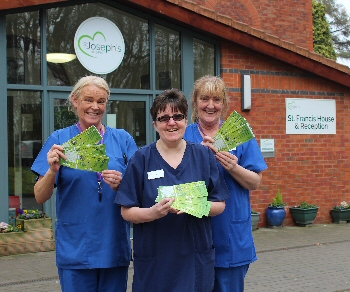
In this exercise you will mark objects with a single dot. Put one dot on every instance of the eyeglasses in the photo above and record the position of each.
(205, 99)
(166, 118)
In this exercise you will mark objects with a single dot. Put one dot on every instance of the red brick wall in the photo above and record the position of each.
(290, 20)
(312, 168)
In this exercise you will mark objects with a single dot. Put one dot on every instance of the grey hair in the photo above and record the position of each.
(82, 82)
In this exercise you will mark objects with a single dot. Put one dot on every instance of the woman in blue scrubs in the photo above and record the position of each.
(93, 248)
(242, 169)
(173, 251)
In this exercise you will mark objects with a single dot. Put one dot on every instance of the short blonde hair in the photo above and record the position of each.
(209, 85)
(82, 82)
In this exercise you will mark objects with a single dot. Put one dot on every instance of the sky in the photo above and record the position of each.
(346, 4)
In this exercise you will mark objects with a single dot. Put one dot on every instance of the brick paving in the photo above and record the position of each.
(303, 259)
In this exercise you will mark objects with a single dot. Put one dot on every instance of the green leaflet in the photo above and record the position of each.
(190, 198)
(83, 153)
(234, 132)
(90, 136)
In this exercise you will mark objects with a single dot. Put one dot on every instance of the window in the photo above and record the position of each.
(23, 48)
(204, 58)
(168, 58)
(63, 22)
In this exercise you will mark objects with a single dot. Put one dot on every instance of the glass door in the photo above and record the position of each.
(25, 131)
(124, 111)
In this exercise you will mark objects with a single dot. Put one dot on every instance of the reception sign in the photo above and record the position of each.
(99, 45)
(310, 116)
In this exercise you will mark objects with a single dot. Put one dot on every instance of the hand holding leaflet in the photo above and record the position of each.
(83, 153)
(234, 132)
(190, 198)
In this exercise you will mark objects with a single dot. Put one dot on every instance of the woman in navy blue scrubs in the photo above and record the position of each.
(173, 251)
(242, 169)
(93, 248)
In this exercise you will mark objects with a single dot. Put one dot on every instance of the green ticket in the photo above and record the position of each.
(234, 132)
(83, 153)
(90, 136)
(190, 198)
(90, 162)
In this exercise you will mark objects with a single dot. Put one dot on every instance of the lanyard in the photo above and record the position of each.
(201, 129)
(99, 175)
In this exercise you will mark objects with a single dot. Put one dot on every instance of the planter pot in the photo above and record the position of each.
(303, 217)
(26, 242)
(37, 237)
(275, 216)
(32, 224)
(255, 221)
(11, 237)
(340, 216)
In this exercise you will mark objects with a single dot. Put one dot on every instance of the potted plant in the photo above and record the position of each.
(6, 228)
(13, 240)
(275, 213)
(341, 213)
(10, 235)
(32, 219)
(255, 219)
(304, 214)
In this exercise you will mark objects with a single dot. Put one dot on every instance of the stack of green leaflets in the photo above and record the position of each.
(83, 153)
(190, 198)
(234, 132)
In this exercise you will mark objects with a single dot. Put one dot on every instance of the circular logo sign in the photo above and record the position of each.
(99, 45)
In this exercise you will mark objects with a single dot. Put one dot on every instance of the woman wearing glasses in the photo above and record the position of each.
(173, 251)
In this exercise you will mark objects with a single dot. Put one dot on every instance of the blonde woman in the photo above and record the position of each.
(92, 239)
(242, 169)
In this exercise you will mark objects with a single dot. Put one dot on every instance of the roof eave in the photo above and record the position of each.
(246, 36)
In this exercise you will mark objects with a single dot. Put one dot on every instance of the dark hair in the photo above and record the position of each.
(173, 97)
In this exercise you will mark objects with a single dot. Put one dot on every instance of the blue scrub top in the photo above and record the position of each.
(232, 230)
(89, 233)
(173, 253)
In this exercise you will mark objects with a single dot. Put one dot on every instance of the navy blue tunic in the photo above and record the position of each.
(173, 253)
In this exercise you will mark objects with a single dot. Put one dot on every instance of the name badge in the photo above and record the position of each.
(155, 174)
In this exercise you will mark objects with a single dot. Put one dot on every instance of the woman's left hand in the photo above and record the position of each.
(113, 178)
(227, 160)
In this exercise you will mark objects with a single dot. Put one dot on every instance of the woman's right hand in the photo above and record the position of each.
(162, 208)
(138, 215)
(209, 141)
(53, 157)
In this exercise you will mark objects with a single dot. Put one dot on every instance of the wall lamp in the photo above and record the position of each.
(60, 57)
(246, 93)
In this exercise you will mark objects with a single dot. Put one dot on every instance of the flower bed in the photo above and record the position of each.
(32, 219)
(7, 228)
(29, 235)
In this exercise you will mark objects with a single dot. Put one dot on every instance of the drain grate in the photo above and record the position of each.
(28, 281)
(302, 246)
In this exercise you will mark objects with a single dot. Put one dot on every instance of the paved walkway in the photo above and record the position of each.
(314, 258)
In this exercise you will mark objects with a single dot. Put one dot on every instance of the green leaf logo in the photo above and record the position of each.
(91, 38)
(292, 105)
